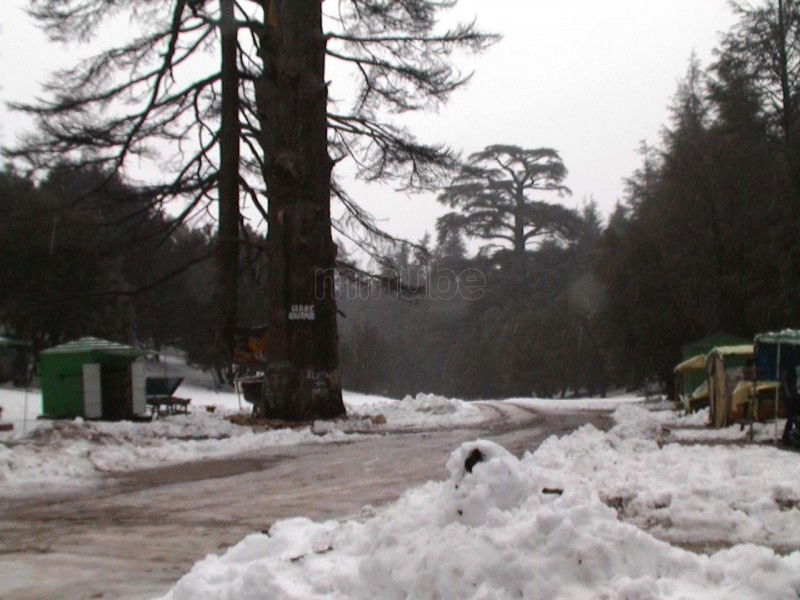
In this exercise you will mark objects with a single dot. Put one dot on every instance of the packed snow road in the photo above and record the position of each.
(134, 535)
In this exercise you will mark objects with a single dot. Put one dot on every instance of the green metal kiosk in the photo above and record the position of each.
(93, 379)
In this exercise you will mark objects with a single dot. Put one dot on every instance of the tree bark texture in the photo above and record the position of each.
(227, 253)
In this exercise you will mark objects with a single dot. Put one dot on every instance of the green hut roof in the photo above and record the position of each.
(92, 344)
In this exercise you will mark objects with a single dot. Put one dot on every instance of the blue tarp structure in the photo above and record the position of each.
(776, 351)
(776, 358)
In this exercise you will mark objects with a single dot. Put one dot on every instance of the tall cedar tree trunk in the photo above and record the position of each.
(227, 251)
(786, 90)
(519, 223)
(302, 370)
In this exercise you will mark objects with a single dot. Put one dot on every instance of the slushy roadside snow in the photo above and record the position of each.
(423, 411)
(42, 456)
(47, 456)
(576, 404)
(588, 515)
(71, 455)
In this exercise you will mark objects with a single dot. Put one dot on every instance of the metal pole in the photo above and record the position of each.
(25, 412)
(777, 389)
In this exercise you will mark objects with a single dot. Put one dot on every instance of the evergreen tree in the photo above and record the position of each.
(264, 108)
(493, 197)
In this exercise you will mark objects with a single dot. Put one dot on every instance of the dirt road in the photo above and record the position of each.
(137, 534)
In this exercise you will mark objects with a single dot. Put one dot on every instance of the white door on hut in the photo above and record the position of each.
(138, 387)
(92, 392)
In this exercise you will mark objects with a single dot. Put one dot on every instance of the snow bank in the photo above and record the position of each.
(637, 422)
(48, 455)
(668, 426)
(703, 495)
(498, 528)
(420, 411)
(72, 454)
(423, 411)
(578, 404)
(694, 428)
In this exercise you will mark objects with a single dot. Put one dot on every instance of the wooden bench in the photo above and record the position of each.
(160, 392)
(170, 405)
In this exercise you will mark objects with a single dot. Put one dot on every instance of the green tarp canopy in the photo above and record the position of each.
(789, 337)
(706, 344)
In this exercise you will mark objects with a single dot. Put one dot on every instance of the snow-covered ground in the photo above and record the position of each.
(66, 455)
(431, 411)
(699, 495)
(582, 404)
(423, 411)
(587, 515)
(694, 428)
(641, 511)
(43, 455)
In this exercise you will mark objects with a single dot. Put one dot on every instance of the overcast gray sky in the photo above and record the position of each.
(590, 78)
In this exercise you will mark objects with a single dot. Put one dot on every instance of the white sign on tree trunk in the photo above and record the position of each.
(92, 392)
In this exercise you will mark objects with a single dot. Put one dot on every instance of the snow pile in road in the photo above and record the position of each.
(423, 411)
(66, 454)
(508, 528)
(638, 422)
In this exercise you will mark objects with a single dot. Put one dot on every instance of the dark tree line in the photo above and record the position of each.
(110, 265)
(513, 327)
(706, 240)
